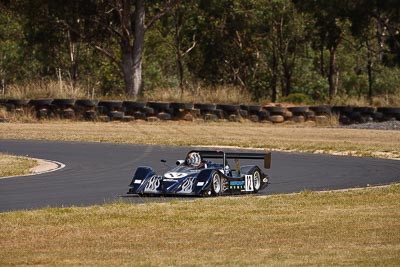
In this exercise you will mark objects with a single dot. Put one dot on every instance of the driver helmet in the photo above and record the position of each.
(193, 159)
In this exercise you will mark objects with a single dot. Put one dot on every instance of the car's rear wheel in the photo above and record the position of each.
(216, 184)
(256, 179)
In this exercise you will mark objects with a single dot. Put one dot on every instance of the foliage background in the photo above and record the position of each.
(269, 50)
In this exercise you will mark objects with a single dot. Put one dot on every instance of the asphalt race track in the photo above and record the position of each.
(98, 173)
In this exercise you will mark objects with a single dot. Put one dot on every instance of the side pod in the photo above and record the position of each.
(141, 174)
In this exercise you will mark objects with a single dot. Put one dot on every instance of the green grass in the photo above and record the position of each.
(308, 229)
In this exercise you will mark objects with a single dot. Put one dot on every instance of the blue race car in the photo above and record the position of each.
(198, 176)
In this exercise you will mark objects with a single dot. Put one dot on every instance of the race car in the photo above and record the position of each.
(197, 175)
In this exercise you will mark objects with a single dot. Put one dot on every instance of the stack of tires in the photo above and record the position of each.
(254, 113)
(63, 108)
(93, 110)
(301, 114)
(135, 110)
(42, 107)
(86, 109)
(208, 112)
(278, 114)
(182, 111)
(322, 114)
(160, 111)
(388, 113)
(230, 112)
(110, 111)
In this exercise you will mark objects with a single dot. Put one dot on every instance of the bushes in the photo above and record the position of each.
(297, 98)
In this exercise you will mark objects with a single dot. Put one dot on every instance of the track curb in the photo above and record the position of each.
(44, 166)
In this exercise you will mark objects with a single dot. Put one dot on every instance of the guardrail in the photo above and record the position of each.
(94, 110)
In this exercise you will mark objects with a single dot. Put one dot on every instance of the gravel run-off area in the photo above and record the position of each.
(387, 125)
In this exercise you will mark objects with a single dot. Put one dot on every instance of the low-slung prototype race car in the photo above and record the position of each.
(198, 176)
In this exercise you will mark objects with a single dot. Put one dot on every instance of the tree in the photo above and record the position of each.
(329, 17)
(122, 21)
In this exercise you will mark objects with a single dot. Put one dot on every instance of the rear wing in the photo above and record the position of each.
(218, 154)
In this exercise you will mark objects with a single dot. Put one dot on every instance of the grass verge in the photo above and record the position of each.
(312, 229)
(248, 135)
(13, 165)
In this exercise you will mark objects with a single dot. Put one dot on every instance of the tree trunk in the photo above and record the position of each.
(369, 69)
(127, 70)
(321, 61)
(178, 24)
(137, 52)
(331, 73)
(274, 78)
(288, 81)
(73, 55)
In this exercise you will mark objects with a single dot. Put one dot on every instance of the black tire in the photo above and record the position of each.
(133, 105)
(148, 111)
(364, 110)
(116, 115)
(219, 113)
(216, 183)
(309, 115)
(244, 107)
(378, 116)
(17, 102)
(276, 110)
(254, 118)
(346, 110)
(228, 108)
(63, 102)
(321, 110)
(263, 115)
(210, 117)
(90, 115)
(243, 113)
(344, 120)
(389, 110)
(40, 102)
(184, 106)
(253, 109)
(298, 110)
(88, 103)
(164, 116)
(357, 117)
(111, 105)
(256, 174)
(160, 106)
(205, 107)
(139, 115)
(68, 113)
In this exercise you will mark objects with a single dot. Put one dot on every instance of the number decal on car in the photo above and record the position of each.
(248, 186)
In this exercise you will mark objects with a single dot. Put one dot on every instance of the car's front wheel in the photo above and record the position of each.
(216, 186)
(256, 179)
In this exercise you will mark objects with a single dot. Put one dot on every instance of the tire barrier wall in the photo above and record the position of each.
(94, 110)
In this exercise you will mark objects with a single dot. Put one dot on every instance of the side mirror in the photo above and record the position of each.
(179, 162)
(163, 161)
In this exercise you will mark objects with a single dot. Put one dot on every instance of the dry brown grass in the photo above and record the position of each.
(246, 134)
(309, 229)
(13, 165)
(217, 94)
(46, 89)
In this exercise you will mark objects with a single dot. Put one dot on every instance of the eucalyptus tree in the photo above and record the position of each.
(329, 29)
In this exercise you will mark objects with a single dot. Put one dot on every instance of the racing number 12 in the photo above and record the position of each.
(249, 183)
